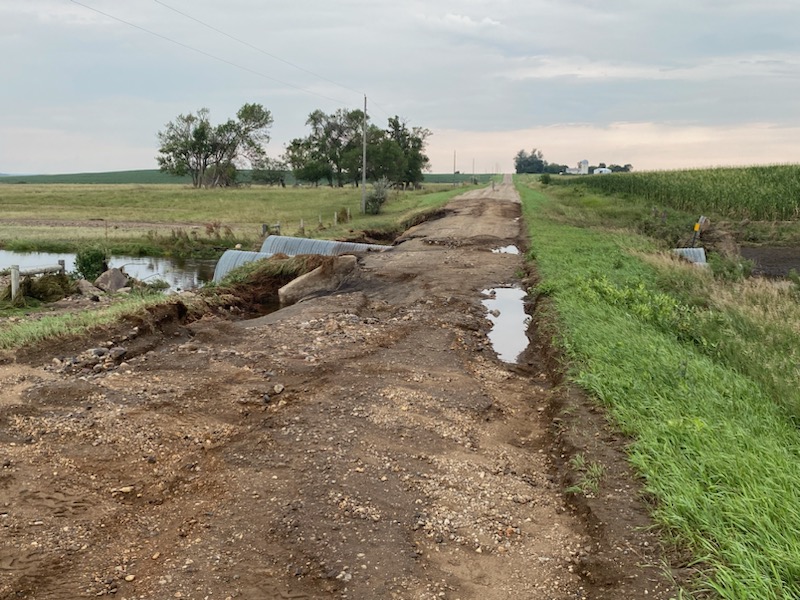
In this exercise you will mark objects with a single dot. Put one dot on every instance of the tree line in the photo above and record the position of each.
(534, 162)
(216, 155)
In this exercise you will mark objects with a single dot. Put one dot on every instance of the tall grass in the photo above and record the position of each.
(702, 375)
(758, 193)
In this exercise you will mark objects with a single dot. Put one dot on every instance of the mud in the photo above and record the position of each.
(366, 444)
(773, 262)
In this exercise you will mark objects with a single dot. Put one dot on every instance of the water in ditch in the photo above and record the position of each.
(180, 274)
(506, 309)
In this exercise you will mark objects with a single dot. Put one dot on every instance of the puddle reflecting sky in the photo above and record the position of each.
(506, 250)
(509, 322)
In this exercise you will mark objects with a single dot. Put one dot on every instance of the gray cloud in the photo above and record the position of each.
(468, 65)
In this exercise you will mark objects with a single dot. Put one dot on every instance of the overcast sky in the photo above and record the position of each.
(657, 84)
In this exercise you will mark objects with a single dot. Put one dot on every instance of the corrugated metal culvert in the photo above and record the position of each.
(232, 259)
(291, 246)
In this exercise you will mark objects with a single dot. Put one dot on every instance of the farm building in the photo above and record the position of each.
(601, 171)
(582, 169)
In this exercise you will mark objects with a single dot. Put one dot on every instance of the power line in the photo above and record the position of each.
(256, 48)
(207, 54)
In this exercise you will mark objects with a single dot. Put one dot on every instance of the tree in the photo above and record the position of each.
(190, 145)
(412, 144)
(333, 150)
(323, 154)
(617, 169)
(530, 163)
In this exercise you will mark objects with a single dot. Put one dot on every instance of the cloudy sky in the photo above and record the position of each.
(657, 84)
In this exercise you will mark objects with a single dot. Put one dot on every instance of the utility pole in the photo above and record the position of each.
(364, 163)
(454, 168)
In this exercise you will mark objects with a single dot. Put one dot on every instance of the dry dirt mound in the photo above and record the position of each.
(362, 445)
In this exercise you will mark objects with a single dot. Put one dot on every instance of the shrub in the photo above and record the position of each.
(90, 262)
(730, 269)
(545, 178)
(377, 196)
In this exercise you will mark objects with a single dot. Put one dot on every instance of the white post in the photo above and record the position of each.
(14, 282)
(335, 219)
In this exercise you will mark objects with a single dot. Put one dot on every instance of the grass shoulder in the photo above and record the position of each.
(700, 372)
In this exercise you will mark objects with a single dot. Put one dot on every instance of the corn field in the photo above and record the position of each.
(757, 193)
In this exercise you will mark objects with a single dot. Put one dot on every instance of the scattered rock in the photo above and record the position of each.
(85, 288)
(112, 281)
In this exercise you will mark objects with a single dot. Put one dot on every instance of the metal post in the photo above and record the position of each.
(14, 282)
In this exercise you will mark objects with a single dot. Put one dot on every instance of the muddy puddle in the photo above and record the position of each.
(773, 262)
(506, 309)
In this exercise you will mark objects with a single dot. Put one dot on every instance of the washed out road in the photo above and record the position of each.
(366, 444)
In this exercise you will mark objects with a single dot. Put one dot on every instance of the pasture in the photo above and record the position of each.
(152, 219)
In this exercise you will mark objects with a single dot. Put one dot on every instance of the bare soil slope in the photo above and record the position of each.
(364, 445)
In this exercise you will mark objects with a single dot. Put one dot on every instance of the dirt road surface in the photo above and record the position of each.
(367, 444)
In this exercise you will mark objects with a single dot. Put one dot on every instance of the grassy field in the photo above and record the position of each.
(758, 193)
(154, 176)
(164, 219)
(700, 372)
(140, 177)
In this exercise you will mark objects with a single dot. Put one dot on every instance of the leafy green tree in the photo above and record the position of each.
(326, 152)
(333, 150)
(412, 144)
(191, 145)
(306, 163)
(530, 163)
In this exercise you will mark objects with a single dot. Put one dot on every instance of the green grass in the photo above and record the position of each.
(758, 193)
(154, 176)
(700, 373)
(155, 219)
(25, 333)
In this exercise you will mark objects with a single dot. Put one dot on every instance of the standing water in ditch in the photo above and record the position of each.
(509, 322)
(180, 274)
